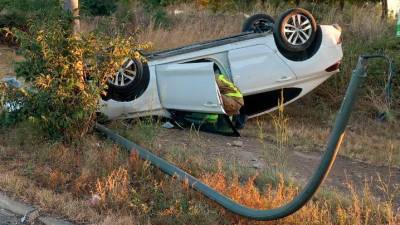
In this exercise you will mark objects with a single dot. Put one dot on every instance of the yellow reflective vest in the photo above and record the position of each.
(228, 88)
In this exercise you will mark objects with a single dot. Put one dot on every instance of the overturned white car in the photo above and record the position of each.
(292, 56)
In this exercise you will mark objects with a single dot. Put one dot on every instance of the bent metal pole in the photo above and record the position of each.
(269, 214)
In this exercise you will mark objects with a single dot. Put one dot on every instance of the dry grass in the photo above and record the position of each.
(362, 209)
(63, 179)
(47, 200)
(113, 190)
(91, 182)
(355, 23)
(190, 29)
(367, 139)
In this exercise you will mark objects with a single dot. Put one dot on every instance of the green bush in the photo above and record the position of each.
(17, 13)
(20, 13)
(99, 7)
(67, 75)
(12, 101)
(156, 9)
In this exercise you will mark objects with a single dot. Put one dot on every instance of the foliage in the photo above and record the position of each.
(156, 8)
(12, 101)
(19, 13)
(99, 7)
(68, 74)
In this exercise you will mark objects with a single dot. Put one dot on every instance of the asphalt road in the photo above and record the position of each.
(8, 218)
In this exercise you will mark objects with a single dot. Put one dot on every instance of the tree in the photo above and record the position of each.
(341, 5)
(73, 7)
(264, 3)
(384, 9)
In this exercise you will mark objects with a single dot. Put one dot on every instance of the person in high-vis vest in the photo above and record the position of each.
(232, 98)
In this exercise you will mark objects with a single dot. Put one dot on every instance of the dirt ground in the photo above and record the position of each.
(249, 152)
(7, 57)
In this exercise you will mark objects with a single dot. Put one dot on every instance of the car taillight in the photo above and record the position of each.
(334, 67)
(339, 28)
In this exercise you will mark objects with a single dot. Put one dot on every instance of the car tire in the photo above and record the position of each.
(129, 82)
(258, 23)
(295, 30)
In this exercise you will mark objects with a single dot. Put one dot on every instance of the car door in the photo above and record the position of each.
(189, 87)
(257, 69)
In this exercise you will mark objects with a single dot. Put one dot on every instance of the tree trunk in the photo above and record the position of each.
(341, 5)
(73, 7)
(297, 2)
(264, 3)
(384, 9)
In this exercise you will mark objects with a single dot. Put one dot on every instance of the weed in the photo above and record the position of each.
(113, 190)
(275, 155)
(280, 122)
(127, 185)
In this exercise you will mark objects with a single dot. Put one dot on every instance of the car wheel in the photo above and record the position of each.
(258, 23)
(129, 82)
(295, 30)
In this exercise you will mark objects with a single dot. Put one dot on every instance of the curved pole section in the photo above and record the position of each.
(269, 214)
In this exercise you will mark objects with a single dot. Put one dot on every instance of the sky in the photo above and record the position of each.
(394, 5)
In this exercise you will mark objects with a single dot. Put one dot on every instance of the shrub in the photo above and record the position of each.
(67, 75)
(17, 13)
(156, 8)
(99, 7)
(12, 101)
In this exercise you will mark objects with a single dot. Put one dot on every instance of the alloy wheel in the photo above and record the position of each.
(298, 30)
(126, 75)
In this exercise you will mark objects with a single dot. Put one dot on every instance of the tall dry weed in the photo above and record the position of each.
(359, 22)
(271, 197)
(190, 28)
(362, 208)
(113, 190)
